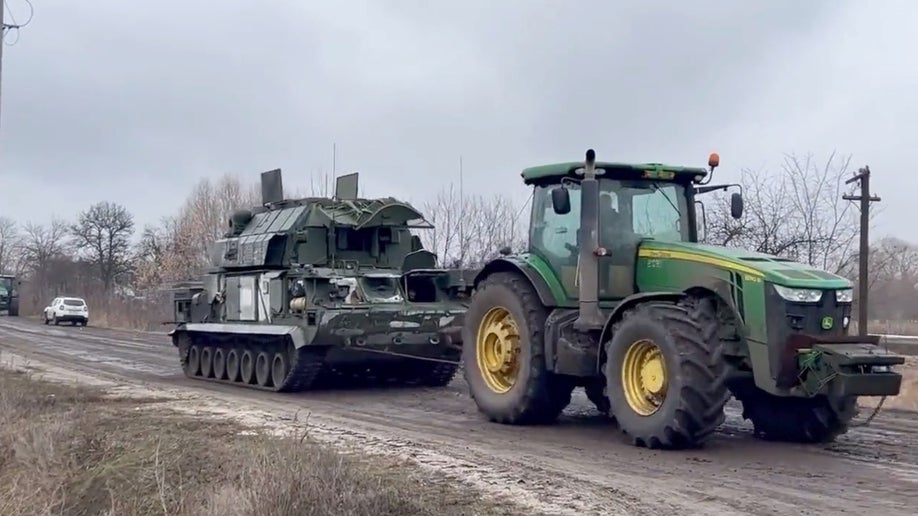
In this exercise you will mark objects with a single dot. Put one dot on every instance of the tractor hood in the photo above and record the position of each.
(771, 268)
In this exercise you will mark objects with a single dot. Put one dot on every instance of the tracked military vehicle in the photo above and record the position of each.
(9, 295)
(321, 292)
(617, 295)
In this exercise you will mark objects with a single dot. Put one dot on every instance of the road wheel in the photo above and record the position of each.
(45, 317)
(193, 363)
(665, 374)
(247, 366)
(54, 320)
(504, 354)
(263, 369)
(816, 420)
(279, 369)
(207, 361)
(232, 365)
(219, 364)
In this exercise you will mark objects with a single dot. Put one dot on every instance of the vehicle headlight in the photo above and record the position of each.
(845, 295)
(799, 295)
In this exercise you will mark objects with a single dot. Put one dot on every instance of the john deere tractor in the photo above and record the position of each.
(616, 295)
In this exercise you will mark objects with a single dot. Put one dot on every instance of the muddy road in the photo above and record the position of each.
(581, 465)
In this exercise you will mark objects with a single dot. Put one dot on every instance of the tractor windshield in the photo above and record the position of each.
(628, 211)
(644, 209)
(6, 285)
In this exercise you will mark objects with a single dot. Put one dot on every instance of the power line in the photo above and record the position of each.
(4, 27)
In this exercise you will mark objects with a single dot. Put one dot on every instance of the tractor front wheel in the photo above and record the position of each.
(504, 354)
(665, 374)
(817, 420)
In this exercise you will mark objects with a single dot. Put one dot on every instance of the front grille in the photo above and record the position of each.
(784, 318)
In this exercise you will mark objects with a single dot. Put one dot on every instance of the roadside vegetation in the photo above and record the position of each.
(794, 209)
(73, 450)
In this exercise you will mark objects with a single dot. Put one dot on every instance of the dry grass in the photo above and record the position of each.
(71, 450)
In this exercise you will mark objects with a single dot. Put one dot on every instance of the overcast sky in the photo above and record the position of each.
(134, 102)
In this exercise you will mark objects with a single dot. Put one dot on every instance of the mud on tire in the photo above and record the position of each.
(538, 396)
(693, 407)
(816, 420)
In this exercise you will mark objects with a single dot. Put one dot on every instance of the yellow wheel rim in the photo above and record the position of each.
(497, 349)
(644, 377)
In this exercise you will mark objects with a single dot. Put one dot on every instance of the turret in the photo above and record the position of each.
(342, 231)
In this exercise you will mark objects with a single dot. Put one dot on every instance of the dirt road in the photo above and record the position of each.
(582, 465)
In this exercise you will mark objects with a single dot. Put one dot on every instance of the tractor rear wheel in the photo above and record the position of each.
(504, 354)
(666, 374)
(816, 420)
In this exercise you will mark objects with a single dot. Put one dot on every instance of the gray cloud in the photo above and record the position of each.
(135, 104)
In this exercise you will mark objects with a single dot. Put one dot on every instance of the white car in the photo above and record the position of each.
(67, 309)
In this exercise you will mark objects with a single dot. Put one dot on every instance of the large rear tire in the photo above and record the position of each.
(504, 354)
(665, 374)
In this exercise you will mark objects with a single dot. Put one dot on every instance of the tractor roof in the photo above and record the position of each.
(555, 171)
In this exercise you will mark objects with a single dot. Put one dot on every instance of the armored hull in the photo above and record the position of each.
(312, 293)
(354, 347)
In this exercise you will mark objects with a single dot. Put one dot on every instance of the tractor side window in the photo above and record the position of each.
(659, 213)
(553, 233)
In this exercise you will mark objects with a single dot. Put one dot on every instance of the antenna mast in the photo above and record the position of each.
(462, 241)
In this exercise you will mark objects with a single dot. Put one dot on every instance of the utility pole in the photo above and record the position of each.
(3, 28)
(863, 179)
(2, 39)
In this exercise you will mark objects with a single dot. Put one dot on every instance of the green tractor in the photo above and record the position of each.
(9, 294)
(616, 295)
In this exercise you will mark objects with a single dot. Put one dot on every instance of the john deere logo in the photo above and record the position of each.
(827, 323)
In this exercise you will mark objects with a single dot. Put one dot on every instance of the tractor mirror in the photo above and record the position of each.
(736, 205)
(561, 200)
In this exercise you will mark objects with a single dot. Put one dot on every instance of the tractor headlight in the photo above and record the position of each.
(845, 295)
(799, 295)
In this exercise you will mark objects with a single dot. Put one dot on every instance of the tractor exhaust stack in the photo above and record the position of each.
(590, 318)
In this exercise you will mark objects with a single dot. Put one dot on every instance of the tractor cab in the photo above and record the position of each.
(635, 203)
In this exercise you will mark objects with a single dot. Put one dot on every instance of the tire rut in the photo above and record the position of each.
(582, 464)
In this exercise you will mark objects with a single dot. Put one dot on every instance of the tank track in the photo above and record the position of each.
(303, 366)
(306, 368)
(409, 372)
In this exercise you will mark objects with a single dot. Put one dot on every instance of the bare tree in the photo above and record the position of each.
(41, 247)
(797, 213)
(443, 213)
(469, 230)
(204, 217)
(893, 280)
(495, 223)
(152, 253)
(10, 240)
(102, 233)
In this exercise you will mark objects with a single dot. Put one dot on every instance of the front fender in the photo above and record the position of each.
(627, 303)
(512, 264)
